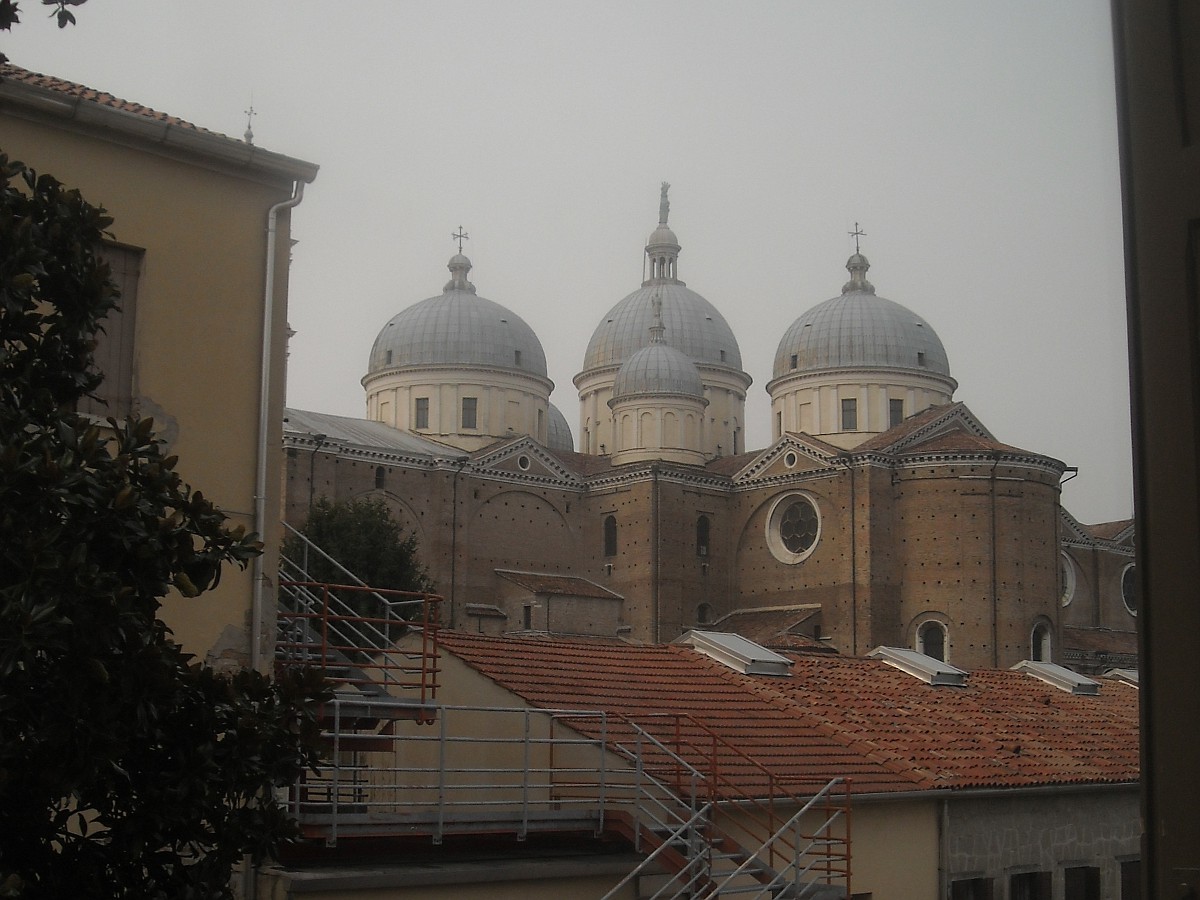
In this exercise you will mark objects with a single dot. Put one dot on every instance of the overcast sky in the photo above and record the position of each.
(975, 143)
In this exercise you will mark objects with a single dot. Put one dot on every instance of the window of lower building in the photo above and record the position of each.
(1131, 879)
(895, 412)
(703, 614)
(702, 530)
(470, 406)
(931, 640)
(1029, 886)
(114, 343)
(380, 477)
(972, 889)
(1081, 883)
(610, 536)
(421, 414)
(849, 415)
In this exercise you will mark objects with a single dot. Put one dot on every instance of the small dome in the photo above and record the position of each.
(860, 330)
(662, 236)
(458, 328)
(558, 432)
(697, 329)
(658, 369)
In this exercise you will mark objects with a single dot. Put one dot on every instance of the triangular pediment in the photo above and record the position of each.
(791, 454)
(523, 457)
(937, 425)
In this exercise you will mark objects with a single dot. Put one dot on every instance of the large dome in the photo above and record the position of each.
(697, 329)
(859, 330)
(458, 328)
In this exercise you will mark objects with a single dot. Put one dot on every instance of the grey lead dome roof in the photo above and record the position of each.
(697, 329)
(458, 328)
(558, 432)
(859, 330)
(658, 369)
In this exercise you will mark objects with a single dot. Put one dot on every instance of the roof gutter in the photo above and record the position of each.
(264, 418)
(964, 793)
(36, 100)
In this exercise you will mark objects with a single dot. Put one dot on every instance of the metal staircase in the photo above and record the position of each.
(350, 632)
(711, 821)
(745, 844)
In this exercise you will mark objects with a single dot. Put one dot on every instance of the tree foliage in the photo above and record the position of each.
(362, 536)
(127, 768)
(10, 15)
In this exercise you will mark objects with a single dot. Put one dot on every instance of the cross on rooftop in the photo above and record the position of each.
(250, 114)
(856, 234)
(460, 236)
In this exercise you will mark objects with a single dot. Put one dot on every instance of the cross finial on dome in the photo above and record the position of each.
(460, 236)
(664, 205)
(250, 114)
(856, 234)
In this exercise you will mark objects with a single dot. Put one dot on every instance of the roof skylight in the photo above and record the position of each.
(737, 652)
(930, 670)
(1059, 676)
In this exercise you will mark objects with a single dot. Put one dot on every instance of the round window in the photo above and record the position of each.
(793, 527)
(523, 463)
(1067, 580)
(1130, 589)
(790, 459)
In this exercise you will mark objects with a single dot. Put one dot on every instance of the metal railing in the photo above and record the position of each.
(350, 631)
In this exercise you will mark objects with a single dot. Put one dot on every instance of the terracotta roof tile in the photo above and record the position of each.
(730, 465)
(775, 627)
(1094, 639)
(543, 583)
(15, 73)
(908, 426)
(834, 716)
(583, 463)
(1108, 531)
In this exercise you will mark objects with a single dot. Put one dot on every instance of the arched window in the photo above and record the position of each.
(1040, 649)
(1130, 589)
(702, 536)
(610, 536)
(380, 477)
(703, 614)
(931, 640)
(1066, 580)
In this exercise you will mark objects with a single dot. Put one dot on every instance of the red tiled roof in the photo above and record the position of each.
(898, 432)
(1093, 639)
(834, 716)
(1107, 531)
(572, 585)
(649, 684)
(730, 465)
(583, 463)
(15, 73)
(1003, 729)
(774, 627)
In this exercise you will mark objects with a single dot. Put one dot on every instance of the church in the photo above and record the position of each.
(883, 512)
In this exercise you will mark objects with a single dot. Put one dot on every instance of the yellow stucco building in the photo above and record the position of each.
(200, 248)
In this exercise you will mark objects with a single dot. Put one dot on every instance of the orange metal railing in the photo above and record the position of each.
(372, 640)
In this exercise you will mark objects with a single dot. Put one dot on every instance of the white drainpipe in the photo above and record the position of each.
(264, 421)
